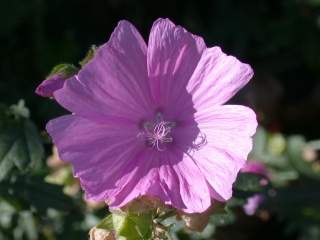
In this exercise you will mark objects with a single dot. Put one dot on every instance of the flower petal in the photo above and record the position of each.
(143, 181)
(173, 178)
(228, 130)
(256, 167)
(217, 78)
(194, 191)
(114, 83)
(50, 85)
(253, 204)
(102, 155)
(173, 54)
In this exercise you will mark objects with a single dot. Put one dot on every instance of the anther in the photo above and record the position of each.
(157, 133)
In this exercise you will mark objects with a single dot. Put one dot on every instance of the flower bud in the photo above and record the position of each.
(101, 234)
(309, 154)
(56, 79)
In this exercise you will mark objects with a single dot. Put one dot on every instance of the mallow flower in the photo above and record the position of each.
(150, 120)
(253, 202)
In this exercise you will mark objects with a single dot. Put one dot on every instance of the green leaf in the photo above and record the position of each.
(32, 192)
(276, 144)
(20, 144)
(259, 142)
(6, 165)
(106, 223)
(223, 219)
(294, 200)
(248, 182)
(296, 145)
(7, 214)
(132, 226)
(28, 225)
(129, 226)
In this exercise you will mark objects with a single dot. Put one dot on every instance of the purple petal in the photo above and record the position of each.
(193, 188)
(217, 78)
(114, 84)
(227, 130)
(102, 155)
(173, 54)
(253, 204)
(144, 180)
(255, 167)
(50, 85)
(166, 176)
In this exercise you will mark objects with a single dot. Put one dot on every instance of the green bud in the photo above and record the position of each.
(90, 54)
(66, 69)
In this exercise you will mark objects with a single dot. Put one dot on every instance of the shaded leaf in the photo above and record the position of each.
(248, 182)
(35, 193)
(28, 225)
(259, 142)
(20, 145)
(296, 145)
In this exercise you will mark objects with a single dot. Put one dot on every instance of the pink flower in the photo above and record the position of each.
(256, 200)
(50, 85)
(150, 120)
(255, 167)
(253, 204)
(55, 80)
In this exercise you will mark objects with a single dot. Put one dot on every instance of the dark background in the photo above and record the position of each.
(280, 39)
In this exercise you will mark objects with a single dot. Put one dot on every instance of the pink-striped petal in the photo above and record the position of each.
(217, 78)
(114, 84)
(173, 54)
(227, 130)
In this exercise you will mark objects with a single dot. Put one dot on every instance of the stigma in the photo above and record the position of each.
(157, 133)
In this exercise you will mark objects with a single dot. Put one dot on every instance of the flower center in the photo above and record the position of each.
(157, 133)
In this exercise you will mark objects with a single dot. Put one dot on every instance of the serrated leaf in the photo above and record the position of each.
(33, 192)
(20, 146)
